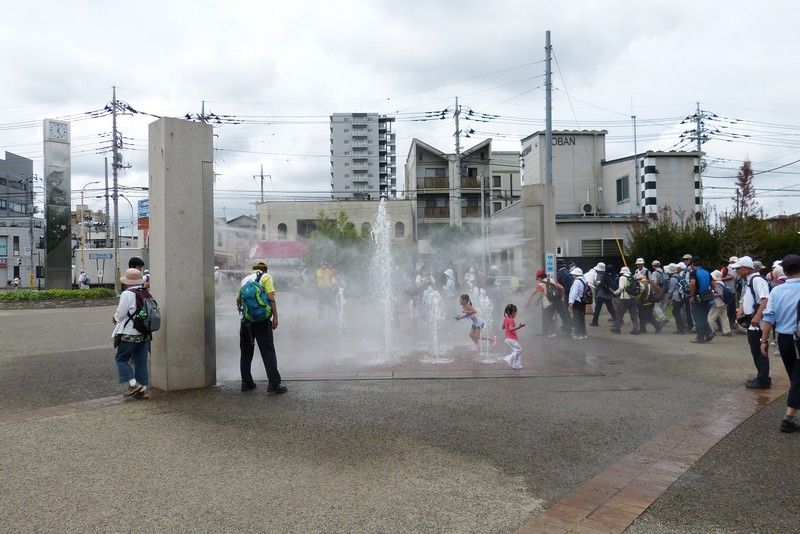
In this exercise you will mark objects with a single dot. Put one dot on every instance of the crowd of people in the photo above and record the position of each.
(741, 296)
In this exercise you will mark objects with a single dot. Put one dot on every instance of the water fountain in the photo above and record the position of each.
(434, 317)
(340, 302)
(382, 265)
(485, 309)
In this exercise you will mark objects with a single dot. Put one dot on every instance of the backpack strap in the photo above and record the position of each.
(753, 291)
(139, 303)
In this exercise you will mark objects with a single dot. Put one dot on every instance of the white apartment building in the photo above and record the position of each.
(363, 156)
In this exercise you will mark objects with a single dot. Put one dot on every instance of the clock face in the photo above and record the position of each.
(58, 131)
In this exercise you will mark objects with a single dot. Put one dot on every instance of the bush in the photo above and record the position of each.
(23, 295)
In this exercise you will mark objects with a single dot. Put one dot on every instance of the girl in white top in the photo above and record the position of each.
(130, 343)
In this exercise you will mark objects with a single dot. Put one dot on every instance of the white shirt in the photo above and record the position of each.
(760, 288)
(127, 305)
(591, 277)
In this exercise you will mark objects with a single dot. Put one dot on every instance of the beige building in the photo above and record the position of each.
(294, 221)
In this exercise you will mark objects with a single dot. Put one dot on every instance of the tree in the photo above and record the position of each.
(336, 241)
(745, 199)
(671, 235)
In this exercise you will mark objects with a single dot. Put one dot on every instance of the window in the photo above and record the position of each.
(3, 205)
(219, 239)
(623, 192)
(472, 172)
(16, 245)
(282, 230)
(497, 206)
(263, 232)
(3, 246)
(496, 182)
(347, 141)
(399, 230)
(346, 130)
(366, 228)
(436, 172)
(601, 247)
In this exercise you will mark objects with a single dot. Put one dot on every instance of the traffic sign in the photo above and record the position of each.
(101, 255)
(27, 250)
(550, 264)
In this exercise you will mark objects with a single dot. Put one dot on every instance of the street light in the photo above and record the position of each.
(131, 205)
(83, 258)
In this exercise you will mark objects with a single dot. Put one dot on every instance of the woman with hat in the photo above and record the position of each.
(781, 314)
(130, 343)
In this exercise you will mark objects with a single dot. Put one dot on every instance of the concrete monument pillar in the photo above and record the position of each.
(182, 253)
(539, 220)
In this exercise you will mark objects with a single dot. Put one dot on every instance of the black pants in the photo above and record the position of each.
(579, 318)
(687, 309)
(548, 317)
(789, 349)
(678, 312)
(261, 333)
(646, 317)
(761, 363)
(731, 309)
(627, 305)
(598, 303)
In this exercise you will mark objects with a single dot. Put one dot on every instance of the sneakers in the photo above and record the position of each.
(276, 389)
(143, 393)
(509, 360)
(133, 390)
(615, 330)
(248, 386)
(790, 424)
(635, 332)
(552, 335)
(576, 337)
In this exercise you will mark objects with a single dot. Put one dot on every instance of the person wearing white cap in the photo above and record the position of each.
(641, 270)
(731, 281)
(627, 291)
(677, 293)
(131, 344)
(755, 295)
(580, 295)
(603, 293)
(657, 276)
(718, 309)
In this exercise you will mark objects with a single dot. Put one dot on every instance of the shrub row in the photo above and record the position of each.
(21, 295)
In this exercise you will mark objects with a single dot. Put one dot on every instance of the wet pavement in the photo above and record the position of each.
(462, 455)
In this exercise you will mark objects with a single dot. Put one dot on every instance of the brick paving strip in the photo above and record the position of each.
(611, 501)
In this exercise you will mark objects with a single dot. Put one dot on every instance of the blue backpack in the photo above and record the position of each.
(728, 295)
(256, 307)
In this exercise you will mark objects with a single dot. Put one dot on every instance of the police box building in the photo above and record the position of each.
(597, 200)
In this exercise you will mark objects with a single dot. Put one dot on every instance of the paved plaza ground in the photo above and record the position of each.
(495, 452)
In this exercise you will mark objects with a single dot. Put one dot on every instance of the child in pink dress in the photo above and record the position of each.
(510, 327)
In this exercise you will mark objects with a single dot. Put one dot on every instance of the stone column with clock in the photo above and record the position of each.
(58, 205)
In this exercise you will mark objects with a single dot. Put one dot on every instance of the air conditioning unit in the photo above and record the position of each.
(586, 208)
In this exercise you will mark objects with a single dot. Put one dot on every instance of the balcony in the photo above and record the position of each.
(470, 212)
(470, 182)
(433, 212)
(435, 182)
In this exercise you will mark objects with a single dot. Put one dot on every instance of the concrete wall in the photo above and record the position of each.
(577, 157)
(272, 214)
(182, 253)
(505, 165)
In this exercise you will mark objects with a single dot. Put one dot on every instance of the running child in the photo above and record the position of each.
(510, 327)
(477, 323)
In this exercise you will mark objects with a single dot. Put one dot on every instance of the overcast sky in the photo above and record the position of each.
(310, 59)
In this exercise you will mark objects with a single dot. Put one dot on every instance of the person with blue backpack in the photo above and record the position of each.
(701, 298)
(722, 296)
(259, 317)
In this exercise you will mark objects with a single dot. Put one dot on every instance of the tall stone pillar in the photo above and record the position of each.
(182, 253)
(539, 220)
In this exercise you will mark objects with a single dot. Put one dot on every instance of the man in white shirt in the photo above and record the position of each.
(576, 303)
(626, 303)
(755, 295)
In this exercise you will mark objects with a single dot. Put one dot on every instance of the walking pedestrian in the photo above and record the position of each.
(702, 299)
(718, 310)
(687, 305)
(603, 293)
(658, 277)
(755, 295)
(731, 279)
(781, 313)
(510, 328)
(83, 280)
(641, 270)
(578, 301)
(650, 295)
(259, 317)
(131, 344)
(551, 294)
(627, 291)
(674, 296)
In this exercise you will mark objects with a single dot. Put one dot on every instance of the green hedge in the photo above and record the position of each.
(22, 295)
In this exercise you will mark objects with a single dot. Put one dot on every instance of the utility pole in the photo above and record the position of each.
(108, 214)
(548, 132)
(262, 183)
(115, 164)
(637, 193)
(698, 130)
(455, 194)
